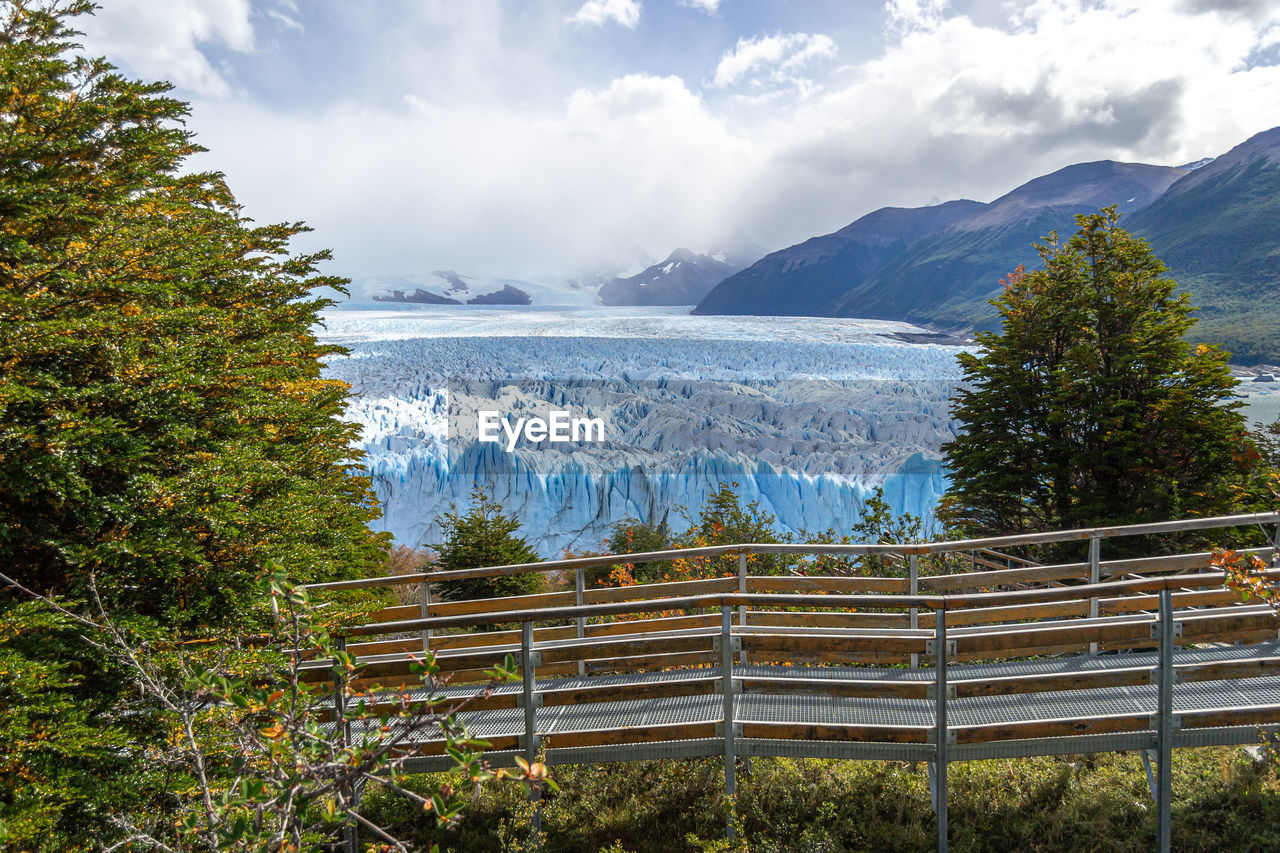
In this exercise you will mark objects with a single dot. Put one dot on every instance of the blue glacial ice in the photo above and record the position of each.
(807, 416)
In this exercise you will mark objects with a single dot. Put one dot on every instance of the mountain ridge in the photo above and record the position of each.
(1215, 224)
(683, 278)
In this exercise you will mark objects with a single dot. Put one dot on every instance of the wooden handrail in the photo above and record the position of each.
(793, 584)
(1078, 534)
(820, 602)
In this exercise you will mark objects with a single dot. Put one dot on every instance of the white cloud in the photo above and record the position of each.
(485, 152)
(1119, 77)
(958, 109)
(777, 58)
(597, 12)
(915, 14)
(286, 20)
(708, 6)
(639, 161)
(162, 40)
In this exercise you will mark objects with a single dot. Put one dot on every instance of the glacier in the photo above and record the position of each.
(806, 415)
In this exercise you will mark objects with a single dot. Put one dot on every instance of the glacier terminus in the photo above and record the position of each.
(806, 415)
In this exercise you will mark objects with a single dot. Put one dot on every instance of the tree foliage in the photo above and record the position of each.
(725, 520)
(1267, 440)
(633, 536)
(163, 421)
(243, 759)
(485, 536)
(164, 427)
(62, 765)
(1089, 407)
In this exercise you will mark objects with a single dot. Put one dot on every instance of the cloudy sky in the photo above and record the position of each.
(526, 137)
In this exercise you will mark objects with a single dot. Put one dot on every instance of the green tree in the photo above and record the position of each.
(632, 536)
(1089, 407)
(164, 427)
(725, 520)
(245, 760)
(1267, 439)
(163, 421)
(485, 536)
(58, 750)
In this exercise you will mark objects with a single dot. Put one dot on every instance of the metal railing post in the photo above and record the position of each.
(726, 688)
(1095, 574)
(940, 719)
(742, 588)
(527, 691)
(424, 598)
(1164, 732)
(579, 598)
(1275, 556)
(350, 832)
(339, 685)
(913, 588)
(529, 699)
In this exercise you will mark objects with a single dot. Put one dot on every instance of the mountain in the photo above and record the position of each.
(447, 287)
(419, 296)
(1218, 230)
(684, 278)
(948, 277)
(507, 296)
(808, 278)
(1215, 222)
(935, 264)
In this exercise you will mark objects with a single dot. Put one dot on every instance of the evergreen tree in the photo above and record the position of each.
(163, 422)
(632, 536)
(1089, 407)
(164, 428)
(485, 536)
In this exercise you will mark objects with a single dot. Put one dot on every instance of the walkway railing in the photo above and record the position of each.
(1143, 654)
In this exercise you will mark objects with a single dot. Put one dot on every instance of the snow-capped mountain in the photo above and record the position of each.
(684, 278)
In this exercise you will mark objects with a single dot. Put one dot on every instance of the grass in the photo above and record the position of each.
(1223, 800)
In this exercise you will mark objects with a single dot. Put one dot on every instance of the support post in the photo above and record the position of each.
(1164, 734)
(424, 598)
(528, 694)
(350, 832)
(340, 697)
(1095, 576)
(526, 678)
(913, 588)
(726, 681)
(579, 598)
(742, 588)
(940, 719)
(1275, 556)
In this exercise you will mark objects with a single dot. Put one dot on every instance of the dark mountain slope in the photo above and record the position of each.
(1218, 230)
(949, 277)
(807, 279)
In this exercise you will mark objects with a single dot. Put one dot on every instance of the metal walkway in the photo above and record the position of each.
(1147, 654)
(795, 698)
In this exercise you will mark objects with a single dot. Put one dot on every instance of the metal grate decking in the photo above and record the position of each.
(806, 708)
(847, 667)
